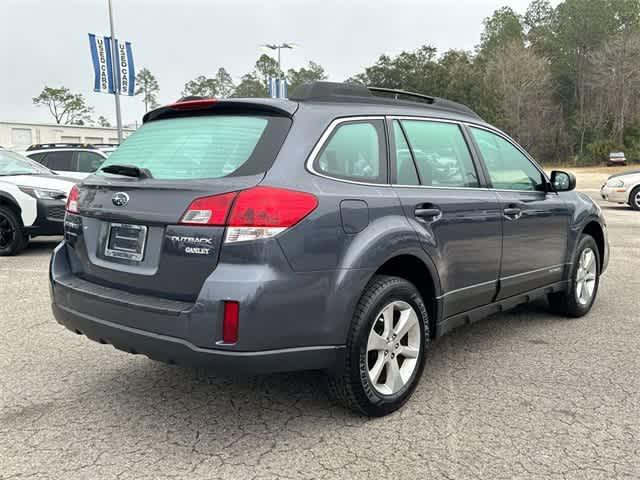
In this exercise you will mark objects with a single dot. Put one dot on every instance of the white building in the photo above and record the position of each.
(19, 135)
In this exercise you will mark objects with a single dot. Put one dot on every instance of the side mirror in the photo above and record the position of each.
(563, 181)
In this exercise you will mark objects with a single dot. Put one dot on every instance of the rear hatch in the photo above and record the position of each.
(155, 224)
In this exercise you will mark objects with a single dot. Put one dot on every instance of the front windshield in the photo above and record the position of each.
(12, 163)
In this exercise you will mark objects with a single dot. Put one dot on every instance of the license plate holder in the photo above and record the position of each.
(126, 241)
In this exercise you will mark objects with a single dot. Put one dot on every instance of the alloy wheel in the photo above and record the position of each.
(393, 347)
(586, 276)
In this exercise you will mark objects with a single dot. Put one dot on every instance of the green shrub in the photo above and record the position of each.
(598, 151)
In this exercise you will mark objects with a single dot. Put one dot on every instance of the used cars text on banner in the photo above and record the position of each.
(127, 75)
(101, 56)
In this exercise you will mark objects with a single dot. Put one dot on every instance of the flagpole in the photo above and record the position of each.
(115, 70)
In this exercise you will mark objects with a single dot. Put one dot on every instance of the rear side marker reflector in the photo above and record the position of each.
(230, 322)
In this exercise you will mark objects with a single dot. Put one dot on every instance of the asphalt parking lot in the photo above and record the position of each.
(518, 395)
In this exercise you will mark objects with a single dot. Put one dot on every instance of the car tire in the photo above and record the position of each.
(584, 280)
(387, 308)
(12, 235)
(634, 198)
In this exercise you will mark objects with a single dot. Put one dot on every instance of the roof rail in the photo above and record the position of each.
(50, 146)
(396, 94)
(328, 91)
(353, 92)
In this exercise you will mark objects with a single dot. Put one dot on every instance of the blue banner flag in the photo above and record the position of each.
(124, 82)
(126, 69)
(101, 57)
(277, 87)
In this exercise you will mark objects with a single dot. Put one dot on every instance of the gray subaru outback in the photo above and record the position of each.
(343, 229)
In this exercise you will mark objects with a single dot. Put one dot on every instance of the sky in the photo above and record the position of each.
(45, 42)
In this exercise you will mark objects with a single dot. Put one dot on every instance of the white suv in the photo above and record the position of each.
(69, 159)
(32, 201)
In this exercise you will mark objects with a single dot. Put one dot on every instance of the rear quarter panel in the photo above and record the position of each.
(320, 243)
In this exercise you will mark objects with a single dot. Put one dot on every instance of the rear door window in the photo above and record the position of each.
(441, 154)
(60, 161)
(355, 151)
(38, 157)
(203, 147)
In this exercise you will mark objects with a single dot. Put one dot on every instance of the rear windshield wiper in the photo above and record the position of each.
(127, 171)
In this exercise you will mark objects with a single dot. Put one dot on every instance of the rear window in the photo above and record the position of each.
(203, 147)
(355, 151)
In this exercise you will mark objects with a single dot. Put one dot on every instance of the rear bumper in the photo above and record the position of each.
(177, 351)
(188, 333)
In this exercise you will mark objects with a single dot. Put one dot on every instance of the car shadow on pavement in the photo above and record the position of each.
(187, 399)
(41, 245)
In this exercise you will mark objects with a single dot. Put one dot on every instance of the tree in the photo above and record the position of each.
(462, 79)
(254, 83)
(103, 122)
(527, 109)
(500, 29)
(201, 86)
(416, 71)
(224, 83)
(220, 86)
(564, 80)
(615, 80)
(580, 28)
(267, 67)
(66, 108)
(538, 21)
(250, 86)
(313, 72)
(147, 87)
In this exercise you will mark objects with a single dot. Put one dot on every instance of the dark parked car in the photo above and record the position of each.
(343, 229)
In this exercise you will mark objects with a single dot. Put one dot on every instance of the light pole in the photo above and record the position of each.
(279, 47)
(114, 72)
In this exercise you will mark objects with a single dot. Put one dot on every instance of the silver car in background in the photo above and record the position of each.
(623, 188)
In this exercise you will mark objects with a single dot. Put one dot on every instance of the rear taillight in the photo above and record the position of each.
(72, 200)
(209, 210)
(259, 212)
(263, 212)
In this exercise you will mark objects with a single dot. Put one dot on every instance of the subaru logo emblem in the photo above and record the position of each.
(120, 199)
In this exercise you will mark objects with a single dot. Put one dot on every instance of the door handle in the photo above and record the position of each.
(427, 212)
(512, 212)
